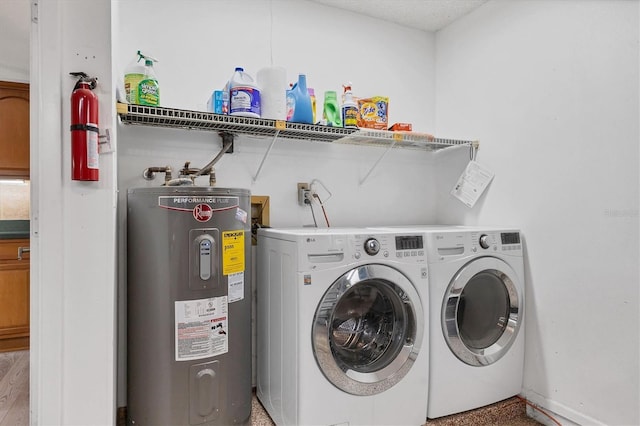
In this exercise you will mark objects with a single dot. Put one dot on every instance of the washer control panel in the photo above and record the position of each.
(322, 251)
(372, 246)
(484, 241)
(402, 247)
(408, 246)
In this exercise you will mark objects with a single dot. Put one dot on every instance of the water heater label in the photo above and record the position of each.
(232, 252)
(236, 287)
(201, 207)
(201, 328)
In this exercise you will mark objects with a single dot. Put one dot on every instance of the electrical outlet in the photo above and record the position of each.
(303, 194)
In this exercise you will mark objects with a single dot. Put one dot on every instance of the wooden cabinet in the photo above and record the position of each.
(14, 130)
(14, 295)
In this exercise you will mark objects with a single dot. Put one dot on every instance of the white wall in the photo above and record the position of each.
(550, 88)
(14, 43)
(73, 229)
(302, 37)
(200, 45)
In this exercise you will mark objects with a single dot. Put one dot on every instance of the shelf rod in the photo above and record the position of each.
(379, 160)
(266, 154)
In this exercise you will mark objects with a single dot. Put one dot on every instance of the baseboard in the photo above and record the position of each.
(11, 344)
(121, 416)
(557, 411)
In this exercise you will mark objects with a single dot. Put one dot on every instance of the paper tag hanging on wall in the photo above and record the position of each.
(472, 183)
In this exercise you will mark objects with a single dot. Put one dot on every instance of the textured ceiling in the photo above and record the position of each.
(427, 15)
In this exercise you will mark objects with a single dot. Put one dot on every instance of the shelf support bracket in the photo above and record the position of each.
(227, 138)
(379, 160)
(266, 154)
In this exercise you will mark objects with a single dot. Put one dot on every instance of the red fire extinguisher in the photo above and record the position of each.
(84, 129)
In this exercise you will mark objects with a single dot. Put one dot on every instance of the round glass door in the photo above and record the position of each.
(481, 312)
(368, 329)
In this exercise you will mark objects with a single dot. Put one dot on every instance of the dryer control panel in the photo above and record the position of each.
(458, 243)
(507, 242)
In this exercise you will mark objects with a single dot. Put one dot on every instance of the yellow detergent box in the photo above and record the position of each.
(373, 113)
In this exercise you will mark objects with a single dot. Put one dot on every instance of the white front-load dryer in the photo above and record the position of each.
(477, 312)
(342, 320)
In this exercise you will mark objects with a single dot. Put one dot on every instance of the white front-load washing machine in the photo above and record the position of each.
(477, 311)
(342, 321)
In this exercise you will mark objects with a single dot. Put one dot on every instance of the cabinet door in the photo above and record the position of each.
(14, 129)
(9, 250)
(14, 306)
(14, 295)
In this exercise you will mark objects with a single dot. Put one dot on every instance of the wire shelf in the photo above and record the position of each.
(421, 141)
(198, 120)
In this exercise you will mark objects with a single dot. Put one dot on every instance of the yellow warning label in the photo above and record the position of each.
(232, 252)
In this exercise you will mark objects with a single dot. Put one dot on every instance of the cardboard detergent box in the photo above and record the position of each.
(401, 127)
(373, 113)
(218, 102)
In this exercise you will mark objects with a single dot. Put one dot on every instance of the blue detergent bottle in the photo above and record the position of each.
(298, 98)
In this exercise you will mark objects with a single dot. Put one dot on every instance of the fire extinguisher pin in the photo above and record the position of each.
(84, 77)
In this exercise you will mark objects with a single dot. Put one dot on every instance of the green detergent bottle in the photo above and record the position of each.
(331, 114)
(140, 82)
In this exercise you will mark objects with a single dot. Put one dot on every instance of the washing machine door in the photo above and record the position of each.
(482, 311)
(367, 329)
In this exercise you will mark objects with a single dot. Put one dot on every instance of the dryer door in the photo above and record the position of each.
(368, 329)
(482, 311)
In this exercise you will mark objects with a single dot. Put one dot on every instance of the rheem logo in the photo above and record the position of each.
(202, 212)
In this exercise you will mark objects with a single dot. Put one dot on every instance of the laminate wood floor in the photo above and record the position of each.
(14, 388)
